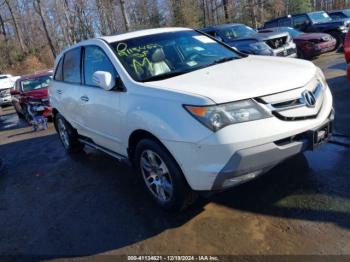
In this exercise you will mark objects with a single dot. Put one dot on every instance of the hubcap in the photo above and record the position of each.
(156, 175)
(62, 130)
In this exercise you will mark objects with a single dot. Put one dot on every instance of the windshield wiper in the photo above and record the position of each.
(164, 76)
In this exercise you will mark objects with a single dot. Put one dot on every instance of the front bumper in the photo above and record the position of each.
(241, 152)
(320, 48)
(247, 164)
(288, 50)
(7, 100)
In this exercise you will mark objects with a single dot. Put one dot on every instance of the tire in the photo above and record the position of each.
(300, 53)
(20, 115)
(162, 177)
(68, 135)
(26, 115)
(337, 37)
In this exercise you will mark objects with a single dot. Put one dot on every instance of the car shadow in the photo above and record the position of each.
(338, 66)
(86, 204)
(340, 88)
(10, 121)
(293, 190)
(65, 206)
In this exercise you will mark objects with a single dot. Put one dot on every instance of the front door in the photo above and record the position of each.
(100, 109)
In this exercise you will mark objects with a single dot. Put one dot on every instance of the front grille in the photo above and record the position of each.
(5, 93)
(276, 42)
(292, 105)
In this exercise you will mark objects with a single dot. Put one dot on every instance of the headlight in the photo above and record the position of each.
(320, 76)
(218, 116)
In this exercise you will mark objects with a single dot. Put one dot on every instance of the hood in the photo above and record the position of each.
(37, 94)
(244, 78)
(313, 36)
(329, 25)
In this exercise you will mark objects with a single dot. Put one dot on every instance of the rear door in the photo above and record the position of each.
(100, 109)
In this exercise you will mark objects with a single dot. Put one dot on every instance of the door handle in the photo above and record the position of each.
(84, 98)
(59, 91)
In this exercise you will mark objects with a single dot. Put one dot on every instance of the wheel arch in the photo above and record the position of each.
(54, 114)
(135, 137)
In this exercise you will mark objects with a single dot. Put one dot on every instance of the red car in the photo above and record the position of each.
(347, 52)
(30, 92)
(309, 45)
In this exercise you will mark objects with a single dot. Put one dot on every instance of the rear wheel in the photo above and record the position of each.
(68, 135)
(163, 179)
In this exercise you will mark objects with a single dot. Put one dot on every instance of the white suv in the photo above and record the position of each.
(188, 112)
(6, 83)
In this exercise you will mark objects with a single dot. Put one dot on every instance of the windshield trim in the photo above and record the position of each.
(239, 54)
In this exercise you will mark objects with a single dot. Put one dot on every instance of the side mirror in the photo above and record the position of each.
(104, 80)
(14, 92)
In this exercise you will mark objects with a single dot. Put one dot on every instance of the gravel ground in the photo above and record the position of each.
(57, 206)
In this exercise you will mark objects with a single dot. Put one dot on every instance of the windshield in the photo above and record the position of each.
(320, 17)
(165, 55)
(237, 31)
(347, 12)
(3, 77)
(35, 83)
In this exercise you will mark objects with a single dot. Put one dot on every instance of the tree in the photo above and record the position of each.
(38, 9)
(15, 23)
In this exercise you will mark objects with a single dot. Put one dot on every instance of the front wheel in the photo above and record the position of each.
(163, 178)
(68, 135)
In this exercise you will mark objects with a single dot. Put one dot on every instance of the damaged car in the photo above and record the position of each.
(30, 97)
(249, 41)
(309, 45)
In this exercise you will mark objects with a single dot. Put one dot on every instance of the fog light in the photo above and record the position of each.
(241, 179)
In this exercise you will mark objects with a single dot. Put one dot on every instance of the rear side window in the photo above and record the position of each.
(95, 59)
(71, 66)
(59, 72)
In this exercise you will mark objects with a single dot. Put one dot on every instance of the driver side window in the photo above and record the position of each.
(95, 59)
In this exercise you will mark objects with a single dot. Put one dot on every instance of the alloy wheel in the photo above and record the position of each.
(62, 130)
(156, 176)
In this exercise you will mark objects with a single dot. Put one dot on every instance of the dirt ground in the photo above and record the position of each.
(58, 206)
